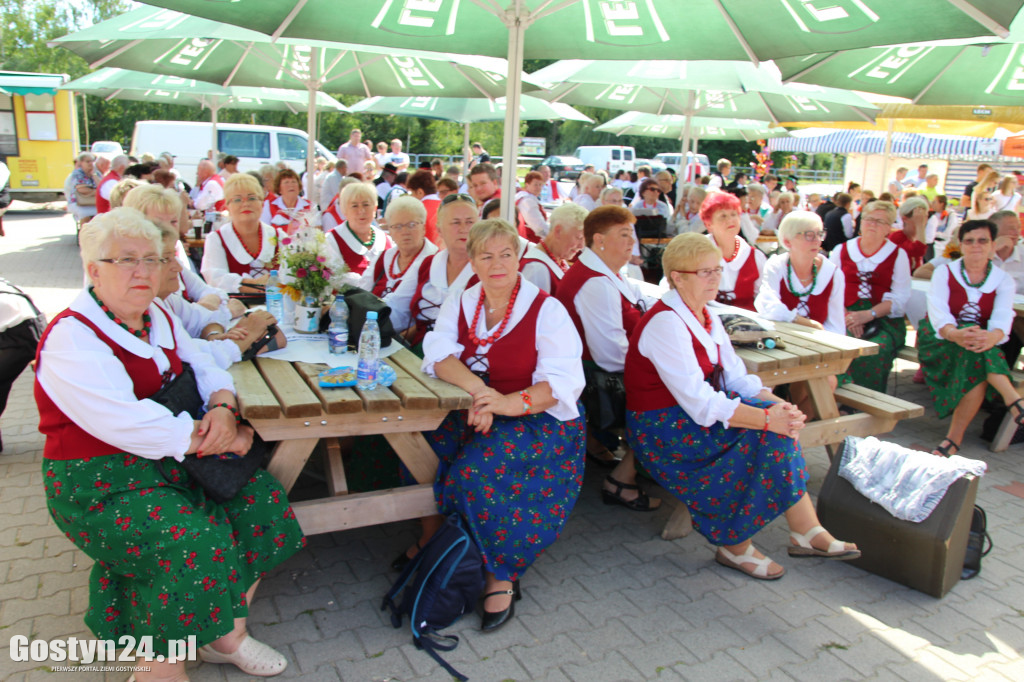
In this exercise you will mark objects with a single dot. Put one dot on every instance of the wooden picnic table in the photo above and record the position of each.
(284, 403)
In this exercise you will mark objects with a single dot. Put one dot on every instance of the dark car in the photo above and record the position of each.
(562, 167)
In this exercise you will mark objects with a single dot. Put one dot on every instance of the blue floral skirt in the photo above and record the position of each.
(734, 481)
(515, 485)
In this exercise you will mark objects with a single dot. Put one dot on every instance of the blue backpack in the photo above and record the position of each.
(441, 583)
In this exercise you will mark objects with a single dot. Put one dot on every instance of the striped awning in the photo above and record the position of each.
(873, 142)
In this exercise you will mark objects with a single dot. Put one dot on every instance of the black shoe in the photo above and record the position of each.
(491, 620)
(403, 559)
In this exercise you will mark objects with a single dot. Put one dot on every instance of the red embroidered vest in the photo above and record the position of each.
(817, 304)
(555, 275)
(966, 312)
(571, 284)
(103, 205)
(516, 350)
(64, 438)
(879, 279)
(221, 205)
(244, 269)
(425, 324)
(742, 295)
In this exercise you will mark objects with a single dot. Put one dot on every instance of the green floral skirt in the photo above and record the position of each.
(169, 562)
(872, 371)
(951, 371)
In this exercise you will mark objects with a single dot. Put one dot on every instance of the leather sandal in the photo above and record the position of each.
(642, 501)
(739, 562)
(252, 657)
(1019, 406)
(944, 450)
(837, 549)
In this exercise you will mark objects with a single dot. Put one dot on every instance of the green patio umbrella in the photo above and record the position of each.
(111, 83)
(169, 43)
(610, 29)
(975, 72)
(701, 128)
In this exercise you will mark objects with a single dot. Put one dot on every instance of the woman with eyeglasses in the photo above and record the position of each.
(970, 313)
(711, 433)
(877, 288)
(803, 286)
(742, 264)
(240, 254)
(605, 308)
(406, 219)
(417, 300)
(357, 241)
(169, 561)
(287, 209)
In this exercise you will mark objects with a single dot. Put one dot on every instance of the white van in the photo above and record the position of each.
(609, 158)
(673, 160)
(254, 145)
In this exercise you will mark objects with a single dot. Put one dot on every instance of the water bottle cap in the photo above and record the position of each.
(339, 297)
(273, 273)
(371, 315)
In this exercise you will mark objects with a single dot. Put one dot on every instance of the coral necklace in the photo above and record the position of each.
(504, 321)
(560, 262)
(147, 322)
(391, 269)
(706, 323)
(735, 251)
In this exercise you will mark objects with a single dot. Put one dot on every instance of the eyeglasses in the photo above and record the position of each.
(247, 200)
(980, 241)
(451, 198)
(874, 221)
(411, 225)
(131, 263)
(811, 235)
(704, 273)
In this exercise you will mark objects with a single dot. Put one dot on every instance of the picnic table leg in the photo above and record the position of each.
(824, 401)
(416, 454)
(337, 482)
(288, 459)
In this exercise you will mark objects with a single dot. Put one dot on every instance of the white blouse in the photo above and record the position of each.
(998, 281)
(538, 272)
(284, 215)
(586, 201)
(381, 243)
(558, 345)
(731, 269)
(899, 292)
(195, 318)
(435, 291)
(769, 302)
(215, 261)
(600, 311)
(667, 341)
(389, 256)
(84, 378)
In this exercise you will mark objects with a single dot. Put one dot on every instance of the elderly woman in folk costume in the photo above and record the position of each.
(286, 210)
(170, 562)
(710, 432)
(546, 263)
(877, 274)
(405, 218)
(742, 264)
(357, 241)
(970, 313)
(804, 287)
(241, 252)
(514, 349)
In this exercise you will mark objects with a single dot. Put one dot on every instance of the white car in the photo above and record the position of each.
(106, 149)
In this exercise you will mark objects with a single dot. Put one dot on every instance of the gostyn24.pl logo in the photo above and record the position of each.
(86, 651)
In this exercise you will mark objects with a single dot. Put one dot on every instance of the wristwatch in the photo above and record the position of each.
(874, 315)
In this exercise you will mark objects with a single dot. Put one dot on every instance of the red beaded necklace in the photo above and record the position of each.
(735, 251)
(560, 262)
(255, 256)
(504, 321)
(399, 275)
(707, 316)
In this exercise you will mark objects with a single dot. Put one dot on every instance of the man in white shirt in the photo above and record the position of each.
(895, 187)
(209, 187)
(332, 183)
(1009, 252)
(396, 156)
(354, 152)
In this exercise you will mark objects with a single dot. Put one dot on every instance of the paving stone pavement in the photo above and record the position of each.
(610, 601)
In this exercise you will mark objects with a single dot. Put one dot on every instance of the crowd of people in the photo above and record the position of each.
(546, 322)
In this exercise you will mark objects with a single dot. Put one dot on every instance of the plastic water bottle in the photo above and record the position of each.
(275, 299)
(369, 354)
(337, 333)
(545, 193)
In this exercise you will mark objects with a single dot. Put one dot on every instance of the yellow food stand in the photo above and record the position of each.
(38, 131)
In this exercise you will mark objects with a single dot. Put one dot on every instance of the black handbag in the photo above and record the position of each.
(360, 302)
(221, 476)
(976, 540)
(604, 397)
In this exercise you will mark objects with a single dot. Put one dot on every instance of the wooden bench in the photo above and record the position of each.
(1006, 431)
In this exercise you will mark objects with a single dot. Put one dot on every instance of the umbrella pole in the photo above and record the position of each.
(312, 86)
(691, 99)
(214, 109)
(465, 150)
(886, 154)
(510, 146)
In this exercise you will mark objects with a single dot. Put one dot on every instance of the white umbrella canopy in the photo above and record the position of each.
(610, 29)
(701, 128)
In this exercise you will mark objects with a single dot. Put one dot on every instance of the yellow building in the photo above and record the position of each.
(38, 130)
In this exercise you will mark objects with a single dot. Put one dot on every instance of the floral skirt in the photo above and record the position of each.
(515, 485)
(169, 562)
(872, 371)
(951, 371)
(733, 480)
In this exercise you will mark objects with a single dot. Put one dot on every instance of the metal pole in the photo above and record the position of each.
(510, 145)
(465, 150)
(312, 86)
(85, 117)
(214, 109)
(885, 156)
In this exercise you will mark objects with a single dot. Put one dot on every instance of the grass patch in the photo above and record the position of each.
(835, 645)
(376, 655)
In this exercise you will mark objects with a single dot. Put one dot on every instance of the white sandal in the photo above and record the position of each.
(736, 561)
(252, 657)
(837, 549)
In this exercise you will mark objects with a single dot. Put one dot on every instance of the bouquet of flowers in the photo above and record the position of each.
(309, 268)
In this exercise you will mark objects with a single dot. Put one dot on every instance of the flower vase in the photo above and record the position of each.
(306, 319)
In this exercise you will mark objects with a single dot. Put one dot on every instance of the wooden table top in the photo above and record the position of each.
(805, 347)
(275, 389)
